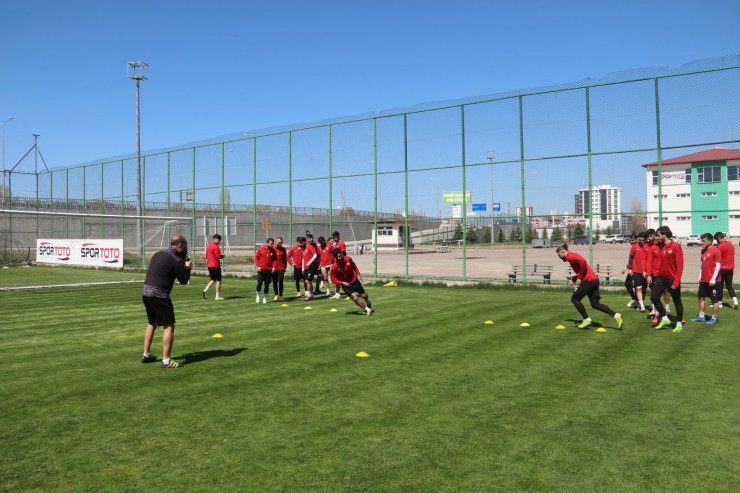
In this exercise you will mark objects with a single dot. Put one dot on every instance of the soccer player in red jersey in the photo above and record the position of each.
(278, 269)
(628, 282)
(668, 278)
(213, 262)
(636, 270)
(325, 260)
(338, 243)
(588, 286)
(727, 250)
(264, 260)
(309, 264)
(345, 273)
(709, 280)
(295, 259)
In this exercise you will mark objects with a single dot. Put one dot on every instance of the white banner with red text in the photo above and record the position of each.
(88, 253)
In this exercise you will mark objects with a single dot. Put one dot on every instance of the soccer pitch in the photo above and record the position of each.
(444, 402)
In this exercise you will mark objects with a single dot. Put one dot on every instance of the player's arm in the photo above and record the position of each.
(678, 252)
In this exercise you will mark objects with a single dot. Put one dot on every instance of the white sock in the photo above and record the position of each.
(668, 308)
(666, 319)
(701, 314)
(734, 300)
(642, 305)
(218, 294)
(165, 361)
(206, 289)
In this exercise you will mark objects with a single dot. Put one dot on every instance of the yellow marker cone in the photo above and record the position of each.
(524, 324)
(333, 310)
(391, 284)
(362, 354)
(284, 305)
(217, 335)
(560, 327)
(488, 322)
(601, 329)
(308, 308)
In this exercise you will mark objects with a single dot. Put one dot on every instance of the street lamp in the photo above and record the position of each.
(491, 155)
(136, 72)
(2, 126)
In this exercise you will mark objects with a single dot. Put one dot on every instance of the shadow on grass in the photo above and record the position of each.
(190, 358)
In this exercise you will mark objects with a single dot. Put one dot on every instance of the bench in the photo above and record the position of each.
(444, 248)
(604, 271)
(534, 270)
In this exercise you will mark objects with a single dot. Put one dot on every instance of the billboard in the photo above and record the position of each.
(455, 198)
(88, 253)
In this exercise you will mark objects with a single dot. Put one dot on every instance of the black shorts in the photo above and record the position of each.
(356, 288)
(638, 281)
(297, 273)
(588, 288)
(311, 272)
(159, 311)
(707, 291)
(215, 273)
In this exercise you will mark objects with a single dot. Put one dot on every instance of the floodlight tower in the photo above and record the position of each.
(2, 126)
(491, 155)
(137, 72)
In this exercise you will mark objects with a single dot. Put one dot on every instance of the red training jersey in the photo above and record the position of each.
(671, 265)
(213, 256)
(727, 250)
(340, 244)
(344, 271)
(325, 254)
(310, 257)
(710, 257)
(295, 256)
(653, 259)
(637, 259)
(281, 257)
(580, 267)
(264, 259)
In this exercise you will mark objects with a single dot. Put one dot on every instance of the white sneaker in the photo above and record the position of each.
(264, 300)
(337, 296)
(368, 311)
(258, 298)
(298, 295)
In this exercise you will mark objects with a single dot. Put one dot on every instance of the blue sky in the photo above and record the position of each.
(224, 67)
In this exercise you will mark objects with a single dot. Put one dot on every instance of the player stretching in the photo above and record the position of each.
(588, 286)
(711, 262)
(669, 278)
(727, 250)
(344, 272)
(213, 262)
(338, 243)
(264, 260)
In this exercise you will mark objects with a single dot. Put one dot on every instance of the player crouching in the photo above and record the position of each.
(345, 273)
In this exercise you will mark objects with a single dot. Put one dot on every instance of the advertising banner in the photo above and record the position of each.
(455, 198)
(89, 253)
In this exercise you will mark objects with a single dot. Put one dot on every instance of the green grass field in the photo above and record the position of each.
(442, 403)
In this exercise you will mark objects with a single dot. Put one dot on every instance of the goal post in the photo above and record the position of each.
(21, 230)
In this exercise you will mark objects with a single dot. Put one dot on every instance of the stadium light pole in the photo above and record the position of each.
(136, 71)
(2, 126)
(491, 155)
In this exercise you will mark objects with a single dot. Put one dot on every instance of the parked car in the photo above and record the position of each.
(583, 240)
(615, 239)
(694, 240)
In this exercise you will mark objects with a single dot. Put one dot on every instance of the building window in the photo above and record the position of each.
(683, 218)
(708, 218)
(665, 196)
(680, 195)
(655, 177)
(687, 172)
(733, 192)
(658, 219)
(709, 174)
(734, 216)
(709, 194)
(733, 173)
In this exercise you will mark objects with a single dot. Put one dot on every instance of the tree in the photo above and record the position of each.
(530, 235)
(569, 233)
(516, 234)
(639, 218)
(472, 235)
(544, 234)
(578, 231)
(486, 235)
(557, 235)
(501, 236)
(458, 232)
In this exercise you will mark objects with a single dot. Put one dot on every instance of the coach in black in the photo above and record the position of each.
(164, 267)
